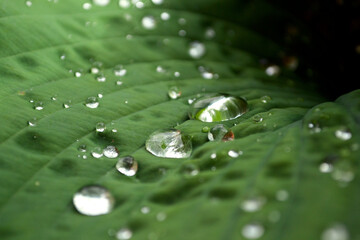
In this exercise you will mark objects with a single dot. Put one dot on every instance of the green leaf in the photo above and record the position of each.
(278, 157)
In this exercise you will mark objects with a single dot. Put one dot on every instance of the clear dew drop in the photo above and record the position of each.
(197, 50)
(335, 232)
(124, 234)
(145, 210)
(82, 148)
(233, 154)
(101, 77)
(216, 108)
(213, 156)
(177, 74)
(148, 22)
(343, 134)
(265, 99)
(77, 74)
(28, 3)
(325, 167)
(252, 204)
(138, 4)
(160, 69)
(119, 71)
(220, 133)
(127, 166)
(92, 102)
(272, 70)
(169, 144)
(100, 127)
(165, 16)
(161, 216)
(190, 170)
(182, 21)
(39, 106)
(124, 3)
(97, 152)
(86, 6)
(157, 2)
(93, 200)
(206, 73)
(101, 3)
(32, 122)
(174, 92)
(182, 33)
(67, 104)
(111, 152)
(210, 33)
(257, 118)
(253, 231)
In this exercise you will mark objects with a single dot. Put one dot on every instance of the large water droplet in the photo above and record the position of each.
(174, 92)
(216, 108)
(92, 102)
(252, 204)
(220, 133)
(93, 200)
(101, 3)
(148, 22)
(124, 234)
(253, 231)
(110, 152)
(127, 166)
(197, 50)
(169, 144)
(335, 232)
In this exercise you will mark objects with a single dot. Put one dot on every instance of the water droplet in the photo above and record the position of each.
(87, 6)
(32, 122)
(314, 128)
(127, 166)
(325, 167)
(282, 195)
(100, 95)
(265, 99)
(335, 232)
(119, 71)
(62, 56)
(101, 3)
(343, 172)
(101, 77)
(53, 98)
(216, 108)
(182, 21)
(197, 50)
(169, 144)
(174, 92)
(213, 156)
(148, 22)
(139, 4)
(93, 200)
(343, 134)
(272, 70)
(257, 118)
(67, 104)
(28, 3)
(97, 152)
(177, 74)
(233, 154)
(165, 16)
(206, 73)
(190, 170)
(38, 106)
(252, 204)
(157, 2)
(82, 148)
(77, 74)
(161, 216)
(124, 234)
(145, 210)
(124, 3)
(253, 231)
(210, 33)
(110, 152)
(220, 133)
(92, 102)
(182, 33)
(160, 69)
(100, 127)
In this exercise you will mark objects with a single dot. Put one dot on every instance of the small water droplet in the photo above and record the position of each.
(119, 71)
(127, 166)
(124, 3)
(161, 216)
(157, 2)
(206, 73)
(100, 95)
(67, 104)
(93, 200)
(177, 74)
(124, 234)
(252, 204)
(165, 16)
(253, 231)
(272, 70)
(160, 69)
(39, 106)
(101, 77)
(213, 156)
(343, 172)
(62, 56)
(145, 210)
(32, 122)
(190, 170)
(182, 33)
(182, 21)
(233, 154)
(343, 134)
(101, 3)
(92, 102)
(265, 99)
(257, 118)
(314, 128)
(138, 4)
(100, 127)
(77, 74)
(148, 22)
(220, 133)
(210, 33)
(282, 195)
(82, 148)
(336, 231)
(274, 216)
(174, 92)
(28, 3)
(110, 152)
(197, 50)
(87, 6)
(216, 108)
(169, 144)
(97, 152)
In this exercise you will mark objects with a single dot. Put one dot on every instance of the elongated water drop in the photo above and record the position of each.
(219, 107)
(93, 200)
(343, 134)
(169, 144)
(127, 166)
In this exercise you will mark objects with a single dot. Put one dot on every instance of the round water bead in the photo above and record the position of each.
(197, 50)
(174, 92)
(218, 107)
(93, 200)
(169, 144)
(127, 166)
(110, 152)
(92, 102)
(124, 234)
(148, 22)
